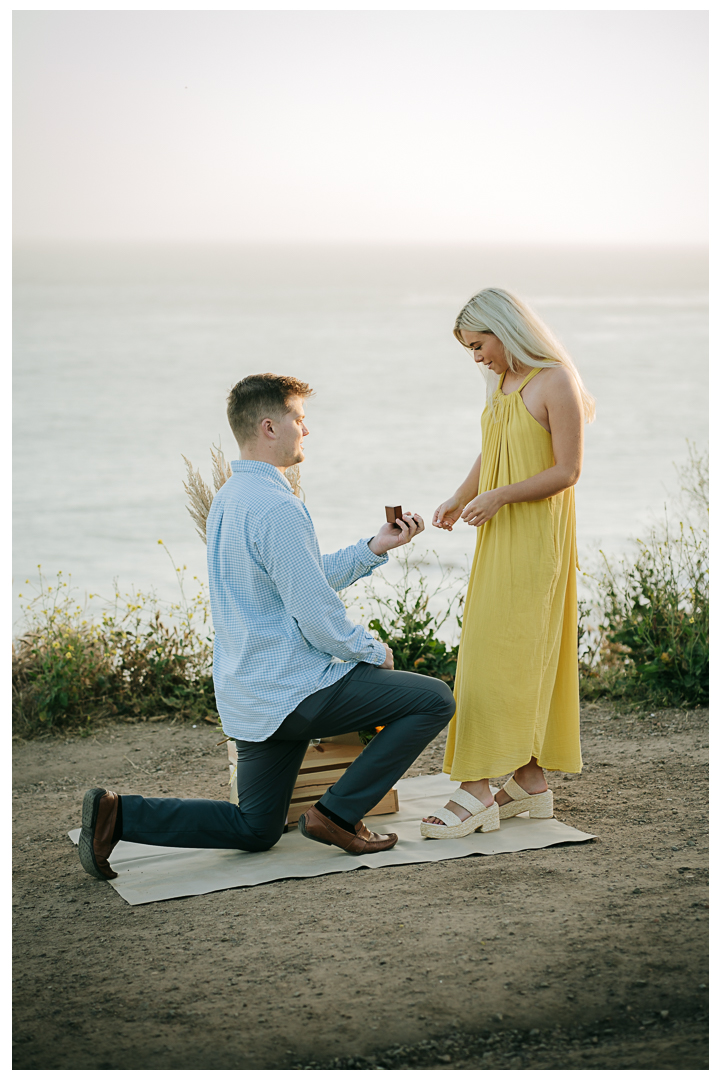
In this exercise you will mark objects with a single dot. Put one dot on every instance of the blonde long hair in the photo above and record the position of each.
(524, 336)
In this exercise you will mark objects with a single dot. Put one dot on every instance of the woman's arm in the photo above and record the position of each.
(565, 416)
(469, 486)
(448, 512)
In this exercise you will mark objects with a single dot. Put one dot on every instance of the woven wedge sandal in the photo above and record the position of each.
(482, 819)
(540, 806)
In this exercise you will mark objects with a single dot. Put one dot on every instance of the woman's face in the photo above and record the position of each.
(487, 350)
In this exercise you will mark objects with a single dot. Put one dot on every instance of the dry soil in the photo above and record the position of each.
(590, 956)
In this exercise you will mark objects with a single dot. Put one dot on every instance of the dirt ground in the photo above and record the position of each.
(589, 956)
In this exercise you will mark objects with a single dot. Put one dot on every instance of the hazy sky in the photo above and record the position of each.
(460, 126)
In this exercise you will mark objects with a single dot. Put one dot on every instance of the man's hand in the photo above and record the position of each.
(389, 536)
(388, 662)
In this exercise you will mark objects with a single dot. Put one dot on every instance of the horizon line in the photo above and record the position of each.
(495, 245)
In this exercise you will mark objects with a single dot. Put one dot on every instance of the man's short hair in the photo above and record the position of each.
(258, 396)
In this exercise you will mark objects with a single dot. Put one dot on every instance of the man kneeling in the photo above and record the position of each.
(288, 665)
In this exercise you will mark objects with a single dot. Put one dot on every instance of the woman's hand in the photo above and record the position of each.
(483, 507)
(447, 513)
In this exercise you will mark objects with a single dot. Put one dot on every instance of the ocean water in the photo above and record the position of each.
(123, 358)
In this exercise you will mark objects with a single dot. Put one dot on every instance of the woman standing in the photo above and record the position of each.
(516, 686)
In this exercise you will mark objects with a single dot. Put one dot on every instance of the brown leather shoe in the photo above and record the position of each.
(315, 826)
(99, 814)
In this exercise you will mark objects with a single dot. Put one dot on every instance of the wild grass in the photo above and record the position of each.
(199, 495)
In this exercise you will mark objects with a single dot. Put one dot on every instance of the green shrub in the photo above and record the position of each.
(140, 659)
(652, 641)
(657, 617)
(410, 615)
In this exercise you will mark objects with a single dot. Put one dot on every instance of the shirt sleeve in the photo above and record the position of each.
(287, 547)
(348, 565)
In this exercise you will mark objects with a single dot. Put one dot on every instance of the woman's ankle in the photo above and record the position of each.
(531, 778)
(480, 789)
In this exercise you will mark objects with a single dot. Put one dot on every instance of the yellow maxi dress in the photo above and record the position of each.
(517, 677)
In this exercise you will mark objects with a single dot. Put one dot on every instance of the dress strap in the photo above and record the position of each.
(526, 380)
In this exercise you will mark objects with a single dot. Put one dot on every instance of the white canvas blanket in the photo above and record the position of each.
(146, 873)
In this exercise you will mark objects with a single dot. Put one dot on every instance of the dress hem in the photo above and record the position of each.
(573, 769)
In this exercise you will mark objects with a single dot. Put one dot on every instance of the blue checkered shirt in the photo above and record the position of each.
(281, 631)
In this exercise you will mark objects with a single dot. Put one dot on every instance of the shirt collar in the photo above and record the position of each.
(260, 468)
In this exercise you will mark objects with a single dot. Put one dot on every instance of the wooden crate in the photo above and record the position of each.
(322, 765)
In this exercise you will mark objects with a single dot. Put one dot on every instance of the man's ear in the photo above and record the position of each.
(266, 427)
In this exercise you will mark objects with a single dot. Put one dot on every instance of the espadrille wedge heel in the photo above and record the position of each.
(482, 819)
(540, 806)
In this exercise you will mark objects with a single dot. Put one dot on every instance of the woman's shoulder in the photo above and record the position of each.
(558, 381)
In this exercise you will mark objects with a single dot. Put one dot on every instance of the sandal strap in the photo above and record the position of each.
(513, 789)
(446, 816)
(467, 801)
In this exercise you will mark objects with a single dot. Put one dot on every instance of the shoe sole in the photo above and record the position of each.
(90, 807)
(486, 821)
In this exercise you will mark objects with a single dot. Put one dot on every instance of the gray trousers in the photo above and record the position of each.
(413, 709)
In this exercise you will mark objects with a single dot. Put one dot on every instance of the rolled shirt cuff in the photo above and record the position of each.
(367, 557)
